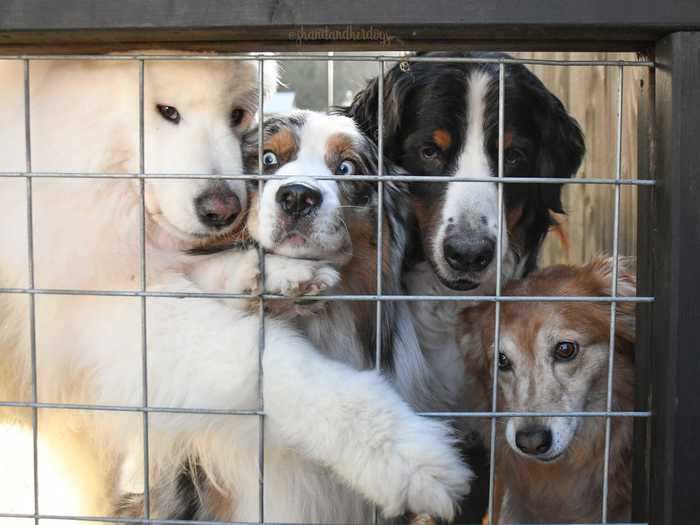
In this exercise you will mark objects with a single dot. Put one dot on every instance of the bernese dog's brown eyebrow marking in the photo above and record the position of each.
(284, 144)
(442, 139)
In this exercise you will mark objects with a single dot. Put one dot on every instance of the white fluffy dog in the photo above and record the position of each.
(327, 424)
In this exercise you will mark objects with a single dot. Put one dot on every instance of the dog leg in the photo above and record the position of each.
(355, 423)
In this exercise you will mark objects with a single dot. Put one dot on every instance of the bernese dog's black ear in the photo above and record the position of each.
(364, 109)
(561, 142)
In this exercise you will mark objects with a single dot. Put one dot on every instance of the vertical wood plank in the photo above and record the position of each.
(675, 455)
(589, 93)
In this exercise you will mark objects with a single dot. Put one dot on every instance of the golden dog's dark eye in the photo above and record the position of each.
(429, 152)
(503, 362)
(169, 113)
(565, 350)
(347, 167)
(270, 159)
(237, 116)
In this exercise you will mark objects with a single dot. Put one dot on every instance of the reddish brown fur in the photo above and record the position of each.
(359, 275)
(428, 218)
(567, 490)
(338, 147)
(507, 139)
(283, 144)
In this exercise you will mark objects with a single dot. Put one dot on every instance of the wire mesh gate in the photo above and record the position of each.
(145, 409)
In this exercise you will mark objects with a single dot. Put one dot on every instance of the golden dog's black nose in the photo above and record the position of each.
(298, 200)
(534, 440)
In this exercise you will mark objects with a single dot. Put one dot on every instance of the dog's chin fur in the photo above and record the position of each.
(330, 241)
(165, 236)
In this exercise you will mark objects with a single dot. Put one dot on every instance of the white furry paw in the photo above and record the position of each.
(298, 277)
(436, 479)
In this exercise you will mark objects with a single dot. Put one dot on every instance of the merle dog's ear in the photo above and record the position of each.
(562, 144)
(364, 109)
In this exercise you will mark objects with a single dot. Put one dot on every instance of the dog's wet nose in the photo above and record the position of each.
(468, 253)
(534, 440)
(218, 208)
(298, 200)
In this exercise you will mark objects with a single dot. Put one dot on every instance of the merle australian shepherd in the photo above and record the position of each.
(441, 119)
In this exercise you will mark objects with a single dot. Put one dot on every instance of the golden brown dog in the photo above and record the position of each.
(553, 356)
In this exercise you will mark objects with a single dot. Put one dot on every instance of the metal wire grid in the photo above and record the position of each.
(145, 409)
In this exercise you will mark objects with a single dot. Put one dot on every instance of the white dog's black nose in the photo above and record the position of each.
(468, 253)
(217, 207)
(298, 200)
(534, 440)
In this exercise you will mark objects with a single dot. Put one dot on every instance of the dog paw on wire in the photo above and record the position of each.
(297, 279)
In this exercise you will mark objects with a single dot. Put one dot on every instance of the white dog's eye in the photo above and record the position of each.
(347, 167)
(237, 116)
(269, 159)
(169, 113)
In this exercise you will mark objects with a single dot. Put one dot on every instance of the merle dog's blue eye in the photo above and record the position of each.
(269, 159)
(347, 167)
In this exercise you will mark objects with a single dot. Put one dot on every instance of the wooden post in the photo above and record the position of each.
(675, 356)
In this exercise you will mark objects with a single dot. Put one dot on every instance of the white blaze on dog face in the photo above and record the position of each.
(469, 214)
(194, 115)
(302, 216)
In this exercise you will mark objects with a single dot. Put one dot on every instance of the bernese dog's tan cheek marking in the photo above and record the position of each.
(428, 217)
(283, 144)
(513, 216)
(507, 139)
(442, 138)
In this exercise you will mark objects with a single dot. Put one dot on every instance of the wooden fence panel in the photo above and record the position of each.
(590, 95)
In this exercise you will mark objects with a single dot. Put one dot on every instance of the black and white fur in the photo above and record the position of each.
(441, 119)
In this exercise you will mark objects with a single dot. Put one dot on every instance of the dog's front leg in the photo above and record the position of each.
(355, 423)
